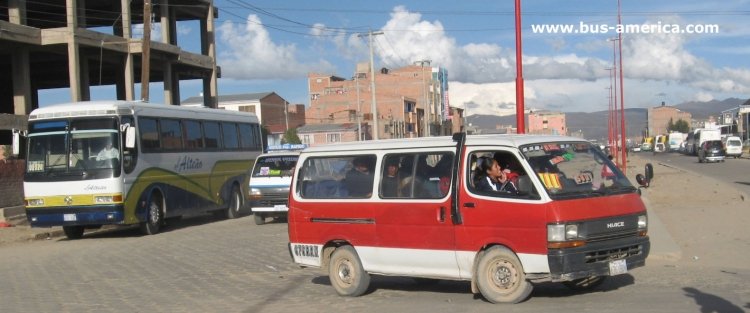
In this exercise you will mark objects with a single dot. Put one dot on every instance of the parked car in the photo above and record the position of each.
(711, 151)
(733, 146)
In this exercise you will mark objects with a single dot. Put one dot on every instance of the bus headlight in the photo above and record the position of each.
(563, 236)
(107, 199)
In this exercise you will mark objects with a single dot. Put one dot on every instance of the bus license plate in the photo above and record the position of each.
(280, 208)
(618, 267)
(69, 217)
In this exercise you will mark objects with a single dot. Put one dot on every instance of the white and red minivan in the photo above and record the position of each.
(419, 208)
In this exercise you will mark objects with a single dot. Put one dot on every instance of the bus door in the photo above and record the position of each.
(413, 223)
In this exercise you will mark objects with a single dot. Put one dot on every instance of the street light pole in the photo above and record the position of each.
(520, 123)
(622, 96)
(359, 108)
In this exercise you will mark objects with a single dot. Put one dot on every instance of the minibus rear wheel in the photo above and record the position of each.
(500, 277)
(345, 271)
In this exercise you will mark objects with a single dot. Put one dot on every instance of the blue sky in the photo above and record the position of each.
(272, 45)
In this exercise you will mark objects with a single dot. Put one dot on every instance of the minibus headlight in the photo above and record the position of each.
(642, 225)
(563, 236)
(35, 202)
(255, 194)
(642, 222)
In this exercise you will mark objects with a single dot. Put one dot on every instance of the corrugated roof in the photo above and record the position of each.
(231, 98)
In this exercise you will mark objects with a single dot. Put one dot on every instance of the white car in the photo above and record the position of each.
(733, 146)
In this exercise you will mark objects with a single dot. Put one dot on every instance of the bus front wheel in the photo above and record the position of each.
(346, 273)
(500, 277)
(154, 216)
(235, 204)
(73, 232)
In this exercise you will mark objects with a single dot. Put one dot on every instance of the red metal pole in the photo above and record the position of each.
(520, 119)
(622, 97)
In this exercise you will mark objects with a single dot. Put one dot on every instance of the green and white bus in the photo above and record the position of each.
(90, 164)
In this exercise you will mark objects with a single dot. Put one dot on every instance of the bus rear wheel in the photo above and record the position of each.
(500, 277)
(345, 271)
(73, 232)
(154, 216)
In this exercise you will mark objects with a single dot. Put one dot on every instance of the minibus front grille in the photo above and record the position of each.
(271, 202)
(612, 236)
(613, 254)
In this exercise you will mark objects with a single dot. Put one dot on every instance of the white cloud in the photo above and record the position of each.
(250, 53)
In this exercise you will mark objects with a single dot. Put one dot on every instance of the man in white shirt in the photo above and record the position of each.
(108, 152)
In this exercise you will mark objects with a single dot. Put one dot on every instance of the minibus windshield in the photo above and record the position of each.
(575, 170)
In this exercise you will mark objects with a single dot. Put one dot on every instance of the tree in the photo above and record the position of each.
(290, 136)
(682, 126)
(670, 125)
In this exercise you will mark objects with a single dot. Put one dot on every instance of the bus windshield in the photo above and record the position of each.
(73, 150)
(575, 170)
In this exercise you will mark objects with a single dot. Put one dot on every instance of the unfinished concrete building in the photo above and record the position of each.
(78, 44)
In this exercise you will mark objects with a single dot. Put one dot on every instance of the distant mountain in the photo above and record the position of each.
(702, 110)
(593, 125)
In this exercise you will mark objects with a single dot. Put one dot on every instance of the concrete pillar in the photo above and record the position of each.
(85, 83)
(208, 47)
(21, 82)
(168, 23)
(126, 87)
(17, 12)
(168, 82)
(74, 70)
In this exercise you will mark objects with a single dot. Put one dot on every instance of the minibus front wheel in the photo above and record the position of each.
(500, 277)
(346, 273)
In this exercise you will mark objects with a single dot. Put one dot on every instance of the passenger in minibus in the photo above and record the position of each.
(391, 182)
(359, 179)
(493, 178)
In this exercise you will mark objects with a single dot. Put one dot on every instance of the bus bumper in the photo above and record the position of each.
(598, 259)
(76, 215)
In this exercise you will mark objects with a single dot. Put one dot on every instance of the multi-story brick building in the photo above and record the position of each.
(275, 113)
(411, 101)
(547, 123)
(659, 117)
(77, 44)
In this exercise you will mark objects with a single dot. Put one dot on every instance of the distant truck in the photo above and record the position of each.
(705, 134)
(647, 144)
(675, 141)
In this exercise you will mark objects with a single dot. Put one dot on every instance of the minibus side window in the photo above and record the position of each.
(348, 177)
(416, 175)
(499, 174)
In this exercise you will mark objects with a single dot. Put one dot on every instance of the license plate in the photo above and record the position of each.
(280, 207)
(69, 217)
(618, 267)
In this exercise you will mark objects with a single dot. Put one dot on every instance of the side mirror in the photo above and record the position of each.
(130, 137)
(16, 145)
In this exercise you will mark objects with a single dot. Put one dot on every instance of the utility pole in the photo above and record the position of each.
(146, 47)
(359, 108)
(374, 106)
(622, 97)
(427, 106)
